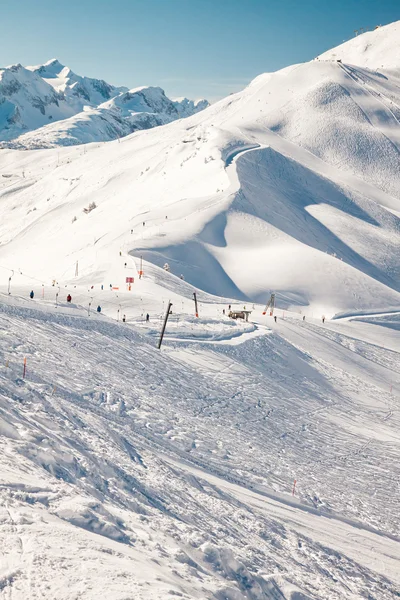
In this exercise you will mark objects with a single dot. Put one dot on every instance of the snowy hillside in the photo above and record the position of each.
(171, 474)
(253, 460)
(292, 186)
(49, 105)
(374, 50)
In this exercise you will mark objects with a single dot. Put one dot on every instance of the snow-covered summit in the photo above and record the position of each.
(79, 91)
(378, 49)
(27, 102)
(186, 107)
(48, 94)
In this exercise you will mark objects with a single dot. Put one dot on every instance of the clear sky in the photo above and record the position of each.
(197, 48)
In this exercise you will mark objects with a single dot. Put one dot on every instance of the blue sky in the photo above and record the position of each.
(197, 48)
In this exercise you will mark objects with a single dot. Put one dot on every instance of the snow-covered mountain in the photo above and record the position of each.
(28, 102)
(187, 108)
(374, 49)
(245, 460)
(78, 91)
(49, 105)
(291, 185)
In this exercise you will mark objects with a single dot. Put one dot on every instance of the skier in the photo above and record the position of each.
(323, 319)
(69, 298)
(304, 317)
(31, 294)
(102, 286)
(125, 265)
(120, 253)
(147, 318)
(275, 318)
(124, 319)
(229, 307)
(99, 309)
(223, 311)
(144, 223)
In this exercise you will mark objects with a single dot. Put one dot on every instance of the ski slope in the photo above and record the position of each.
(244, 198)
(250, 460)
(373, 49)
(162, 474)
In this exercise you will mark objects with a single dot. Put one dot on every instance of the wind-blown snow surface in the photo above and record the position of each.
(156, 475)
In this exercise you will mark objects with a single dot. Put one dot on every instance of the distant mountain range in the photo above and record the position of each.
(49, 105)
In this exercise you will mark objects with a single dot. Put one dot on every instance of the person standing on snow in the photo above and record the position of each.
(69, 298)
(147, 318)
(99, 309)
(31, 294)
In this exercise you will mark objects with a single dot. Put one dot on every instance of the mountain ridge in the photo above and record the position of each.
(37, 101)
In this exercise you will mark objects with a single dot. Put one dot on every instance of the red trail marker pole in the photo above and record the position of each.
(24, 368)
(294, 487)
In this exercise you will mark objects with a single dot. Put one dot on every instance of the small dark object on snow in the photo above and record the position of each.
(31, 294)
(99, 309)
(69, 298)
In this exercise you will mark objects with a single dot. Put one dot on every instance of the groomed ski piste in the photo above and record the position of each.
(244, 460)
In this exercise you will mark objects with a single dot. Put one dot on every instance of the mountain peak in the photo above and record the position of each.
(377, 49)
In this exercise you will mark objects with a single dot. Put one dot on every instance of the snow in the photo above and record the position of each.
(80, 109)
(244, 460)
(237, 203)
(374, 49)
(170, 473)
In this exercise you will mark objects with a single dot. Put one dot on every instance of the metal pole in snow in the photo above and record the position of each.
(195, 304)
(294, 487)
(164, 324)
(9, 283)
(24, 368)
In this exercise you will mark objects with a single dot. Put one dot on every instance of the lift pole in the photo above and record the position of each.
(270, 305)
(141, 268)
(164, 324)
(196, 310)
(9, 283)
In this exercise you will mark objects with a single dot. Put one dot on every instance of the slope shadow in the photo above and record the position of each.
(278, 190)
